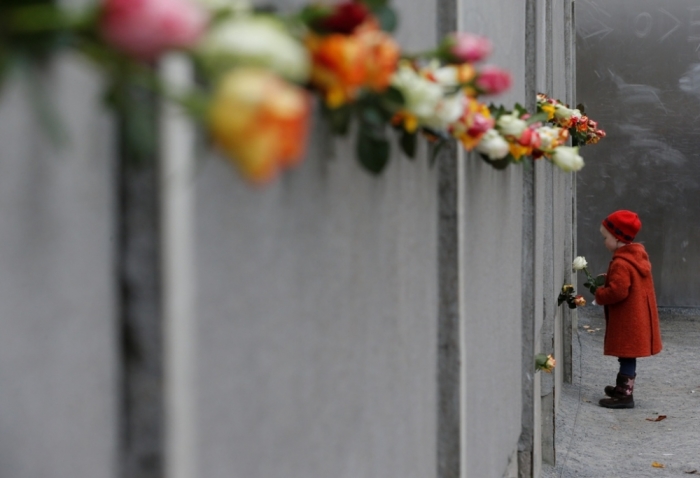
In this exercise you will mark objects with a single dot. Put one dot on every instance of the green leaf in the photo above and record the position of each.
(394, 96)
(375, 4)
(6, 67)
(372, 151)
(387, 18)
(311, 14)
(599, 280)
(499, 164)
(537, 118)
(373, 116)
(408, 143)
(339, 119)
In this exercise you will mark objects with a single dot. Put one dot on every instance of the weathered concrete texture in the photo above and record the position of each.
(58, 351)
(318, 320)
(450, 448)
(492, 260)
(492, 327)
(594, 442)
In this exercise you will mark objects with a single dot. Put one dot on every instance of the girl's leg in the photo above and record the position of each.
(628, 366)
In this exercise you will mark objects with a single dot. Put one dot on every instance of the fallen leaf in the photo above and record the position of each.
(586, 326)
(694, 472)
(587, 401)
(657, 419)
(656, 464)
(591, 331)
(597, 328)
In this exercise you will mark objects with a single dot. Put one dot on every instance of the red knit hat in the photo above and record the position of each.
(624, 225)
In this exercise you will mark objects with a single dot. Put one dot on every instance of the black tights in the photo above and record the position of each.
(628, 366)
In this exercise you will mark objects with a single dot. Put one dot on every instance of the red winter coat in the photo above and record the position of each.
(631, 315)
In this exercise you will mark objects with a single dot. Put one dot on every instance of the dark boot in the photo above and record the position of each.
(616, 391)
(621, 395)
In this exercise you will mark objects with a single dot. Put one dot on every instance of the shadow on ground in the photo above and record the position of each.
(594, 442)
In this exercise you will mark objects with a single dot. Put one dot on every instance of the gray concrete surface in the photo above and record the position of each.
(594, 442)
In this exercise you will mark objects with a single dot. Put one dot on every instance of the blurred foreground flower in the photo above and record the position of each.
(493, 145)
(145, 29)
(567, 158)
(349, 51)
(466, 47)
(580, 301)
(255, 40)
(546, 363)
(260, 122)
(493, 80)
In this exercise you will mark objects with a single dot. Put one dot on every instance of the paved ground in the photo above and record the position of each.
(595, 442)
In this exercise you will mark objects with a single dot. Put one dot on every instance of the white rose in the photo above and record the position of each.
(567, 158)
(579, 263)
(493, 145)
(448, 110)
(562, 112)
(421, 96)
(255, 41)
(446, 76)
(549, 137)
(511, 125)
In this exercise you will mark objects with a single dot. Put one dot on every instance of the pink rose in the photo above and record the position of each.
(467, 47)
(530, 137)
(146, 28)
(480, 125)
(493, 80)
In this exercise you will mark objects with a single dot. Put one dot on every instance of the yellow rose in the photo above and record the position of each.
(260, 121)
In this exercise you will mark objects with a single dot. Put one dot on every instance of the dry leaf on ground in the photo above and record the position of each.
(657, 419)
(656, 464)
(694, 472)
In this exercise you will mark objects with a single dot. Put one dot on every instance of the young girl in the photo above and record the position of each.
(632, 320)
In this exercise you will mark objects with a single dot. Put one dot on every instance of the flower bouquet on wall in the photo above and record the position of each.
(260, 70)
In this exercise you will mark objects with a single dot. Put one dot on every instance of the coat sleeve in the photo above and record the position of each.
(617, 288)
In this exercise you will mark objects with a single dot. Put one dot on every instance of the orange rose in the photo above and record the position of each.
(339, 68)
(345, 63)
(382, 56)
(260, 122)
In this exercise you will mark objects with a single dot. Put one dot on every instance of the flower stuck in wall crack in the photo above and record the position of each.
(545, 363)
(568, 295)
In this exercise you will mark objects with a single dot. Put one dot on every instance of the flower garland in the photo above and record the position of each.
(264, 68)
(583, 130)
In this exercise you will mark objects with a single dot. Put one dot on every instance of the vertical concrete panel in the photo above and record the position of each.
(492, 323)
(57, 331)
(317, 309)
(493, 215)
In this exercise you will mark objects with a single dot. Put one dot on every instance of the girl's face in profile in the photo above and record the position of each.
(609, 240)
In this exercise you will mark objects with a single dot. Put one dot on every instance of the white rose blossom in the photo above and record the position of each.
(549, 137)
(567, 158)
(561, 112)
(256, 41)
(426, 99)
(493, 145)
(579, 263)
(511, 125)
